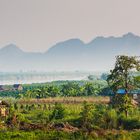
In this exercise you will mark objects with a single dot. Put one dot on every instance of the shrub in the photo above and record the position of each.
(87, 116)
(130, 124)
(110, 119)
(58, 112)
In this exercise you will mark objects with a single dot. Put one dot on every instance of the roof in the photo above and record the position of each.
(121, 91)
(16, 85)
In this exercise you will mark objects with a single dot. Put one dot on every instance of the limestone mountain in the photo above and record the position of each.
(73, 54)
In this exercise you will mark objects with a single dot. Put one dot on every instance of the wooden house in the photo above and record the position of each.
(17, 87)
(1, 88)
(135, 94)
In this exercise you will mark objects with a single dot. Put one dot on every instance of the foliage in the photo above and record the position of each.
(58, 112)
(80, 121)
(87, 116)
(71, 89)
(67, 89)
(122, 102)
(60, 135)
(120, 78)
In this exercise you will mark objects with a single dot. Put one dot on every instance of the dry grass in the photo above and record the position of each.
(67, 100)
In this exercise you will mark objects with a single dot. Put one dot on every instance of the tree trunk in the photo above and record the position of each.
(126, 78)
(126, 113)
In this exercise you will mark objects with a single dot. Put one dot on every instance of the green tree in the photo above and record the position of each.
(15, 106)
(87, 116)
(58, 112)
(89, 89)
(71, 89)
(54, 91)
(121, 77)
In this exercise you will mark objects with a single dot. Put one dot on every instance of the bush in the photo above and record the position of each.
(87, 116)
(58, 112)
(130, 124)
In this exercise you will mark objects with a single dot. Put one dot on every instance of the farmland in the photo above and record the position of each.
(84, 110)
(81, 118)
(68, 109)
(67, 100)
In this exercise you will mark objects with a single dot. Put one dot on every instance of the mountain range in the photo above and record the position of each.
(71, 55)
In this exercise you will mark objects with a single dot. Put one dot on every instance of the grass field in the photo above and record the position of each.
(68, 118)
(66, 100)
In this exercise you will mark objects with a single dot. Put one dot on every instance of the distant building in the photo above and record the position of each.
(134, 93)
(121, 91)
(17, 87)
(1, 88)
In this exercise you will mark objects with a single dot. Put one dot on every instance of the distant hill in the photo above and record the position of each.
(73, 54)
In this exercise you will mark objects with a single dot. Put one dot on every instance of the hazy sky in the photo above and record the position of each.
(36, 25)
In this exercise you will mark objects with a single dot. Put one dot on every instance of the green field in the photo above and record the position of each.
(62, 120)
(76, 110)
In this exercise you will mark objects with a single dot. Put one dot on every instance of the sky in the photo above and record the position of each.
(36, 25)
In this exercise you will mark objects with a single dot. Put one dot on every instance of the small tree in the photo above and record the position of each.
(89, 89)
(15, 106)
(121, 77)
(58, 112)
(87, 116)
(54, 91)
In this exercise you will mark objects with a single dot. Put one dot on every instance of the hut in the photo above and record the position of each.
(1, 88)
(135, 94)
(121, 91)
(3, 108)
(17, 87)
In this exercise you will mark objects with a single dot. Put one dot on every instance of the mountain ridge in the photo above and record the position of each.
(127, 35)
(73, 54)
